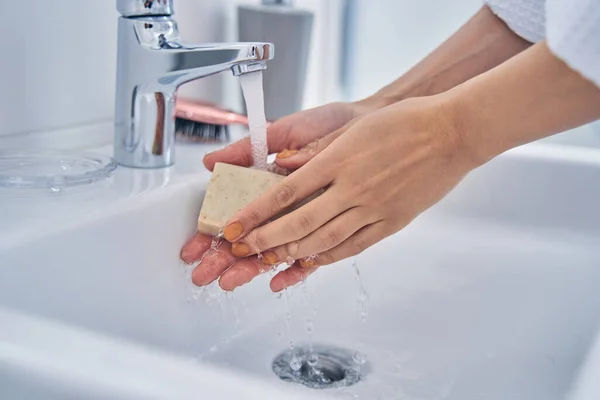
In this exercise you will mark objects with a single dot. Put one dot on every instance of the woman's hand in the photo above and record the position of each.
(377, 174)
(380, 172)
(285, 137)
(292, 132)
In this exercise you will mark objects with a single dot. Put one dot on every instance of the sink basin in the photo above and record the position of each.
(490, 294)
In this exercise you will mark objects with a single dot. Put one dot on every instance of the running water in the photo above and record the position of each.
(252, 88)
(295, 362)
(312, 358)
(309, 324)
(234, 309)
(360, 357)
(216, 241)
(363, 297)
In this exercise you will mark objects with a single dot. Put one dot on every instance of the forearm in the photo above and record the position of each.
(481, 44)
(531, 96)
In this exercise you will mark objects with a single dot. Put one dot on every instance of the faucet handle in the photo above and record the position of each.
(141, 8)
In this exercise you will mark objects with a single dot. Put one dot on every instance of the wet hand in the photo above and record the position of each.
(285, 136)
(291, 133)
(377, 174)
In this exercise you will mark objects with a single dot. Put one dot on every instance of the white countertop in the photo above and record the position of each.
(25, 212)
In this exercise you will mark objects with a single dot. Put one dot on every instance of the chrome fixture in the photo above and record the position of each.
(152, 62)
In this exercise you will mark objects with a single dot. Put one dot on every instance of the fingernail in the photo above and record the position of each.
(287, 153)
(270, 258)
(240, 249)
(308, 263)
(233, 231)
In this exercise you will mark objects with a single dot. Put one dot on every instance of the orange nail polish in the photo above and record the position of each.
(233, 231)
(270, 258)
(240, 249)
(308, 263)
(287, 153)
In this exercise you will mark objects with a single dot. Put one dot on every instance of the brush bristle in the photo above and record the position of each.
(200, 132)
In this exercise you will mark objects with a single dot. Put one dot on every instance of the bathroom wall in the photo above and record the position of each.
(57, 68)
(57, 64)
(387, 37)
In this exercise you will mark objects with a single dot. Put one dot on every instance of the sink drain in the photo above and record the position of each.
(325, 367)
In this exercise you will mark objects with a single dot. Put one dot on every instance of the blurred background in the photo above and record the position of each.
(58, 62)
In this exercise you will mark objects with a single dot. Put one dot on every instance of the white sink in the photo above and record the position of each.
(492, 294)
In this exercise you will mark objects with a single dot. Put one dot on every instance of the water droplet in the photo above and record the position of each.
(363, 297)
(363, 317)
(309, 327)
(196, 292)
(312, 359)
(359, 357)
(231, 300)
(295, 363)
(55, 189)
(245, 307)
(216, 242)
(289, 261)
(324, 368)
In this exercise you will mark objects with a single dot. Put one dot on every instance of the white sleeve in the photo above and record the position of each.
(573, 33)
(526, 18)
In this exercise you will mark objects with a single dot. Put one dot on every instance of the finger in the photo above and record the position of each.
(195, 248)
(294, 159)
(354, 245)
(290, 277)
(294, 226)
(291, 190)
(327, 237)
(240, 152)
(242, 272)
(213, 264)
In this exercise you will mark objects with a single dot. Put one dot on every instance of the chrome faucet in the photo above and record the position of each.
(152, 63)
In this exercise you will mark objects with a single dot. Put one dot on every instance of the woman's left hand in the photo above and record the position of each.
(377, 174)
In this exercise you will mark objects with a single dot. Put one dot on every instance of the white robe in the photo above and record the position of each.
(570, 27)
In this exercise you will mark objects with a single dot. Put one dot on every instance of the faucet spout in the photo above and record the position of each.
(152, 63)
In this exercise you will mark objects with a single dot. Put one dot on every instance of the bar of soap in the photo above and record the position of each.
(230, 189)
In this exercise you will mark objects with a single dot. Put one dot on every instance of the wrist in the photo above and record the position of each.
(370, 104)
(458, 118)
(407, 87)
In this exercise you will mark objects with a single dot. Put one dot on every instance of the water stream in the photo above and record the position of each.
(252, 88)
(360, 358)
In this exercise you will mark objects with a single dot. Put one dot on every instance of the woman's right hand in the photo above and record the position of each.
(285, 137)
